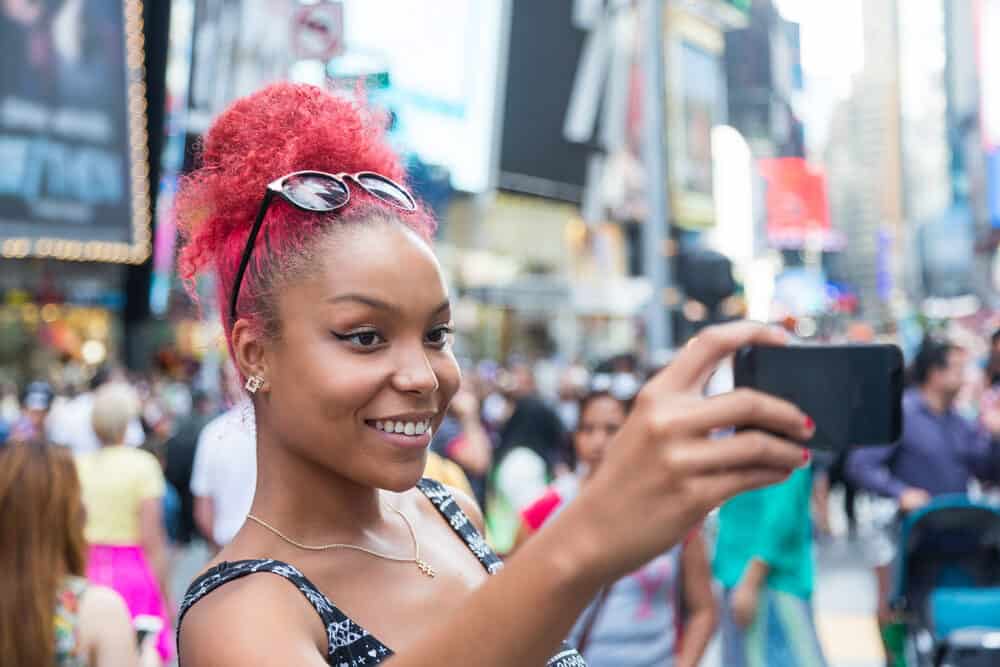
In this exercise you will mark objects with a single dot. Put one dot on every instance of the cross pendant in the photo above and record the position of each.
(426, 569)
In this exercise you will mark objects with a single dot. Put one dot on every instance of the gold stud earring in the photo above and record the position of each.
(253, 383)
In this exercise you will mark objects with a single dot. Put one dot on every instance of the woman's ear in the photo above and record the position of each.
(249, 353)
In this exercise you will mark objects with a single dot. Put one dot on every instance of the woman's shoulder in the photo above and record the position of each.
(99, 603)
(213, 614)
(100, 611)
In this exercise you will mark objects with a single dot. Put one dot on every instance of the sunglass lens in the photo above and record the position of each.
(387, 191)
(315, 192)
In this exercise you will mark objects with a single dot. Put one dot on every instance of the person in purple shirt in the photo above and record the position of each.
(939, 452)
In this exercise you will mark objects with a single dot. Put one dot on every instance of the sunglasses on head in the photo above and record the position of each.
(319, 192)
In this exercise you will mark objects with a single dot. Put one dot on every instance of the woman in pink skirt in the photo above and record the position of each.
(123, 489)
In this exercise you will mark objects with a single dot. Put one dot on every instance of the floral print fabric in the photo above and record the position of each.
(66, 621)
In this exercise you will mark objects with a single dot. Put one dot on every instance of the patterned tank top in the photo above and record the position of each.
(348, 644)
(66, 622)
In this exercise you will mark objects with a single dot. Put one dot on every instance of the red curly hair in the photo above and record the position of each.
(282, 128)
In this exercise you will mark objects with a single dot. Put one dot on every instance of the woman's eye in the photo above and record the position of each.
(362, 339)
(440, 336)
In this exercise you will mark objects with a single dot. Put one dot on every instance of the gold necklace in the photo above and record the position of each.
(421, 564)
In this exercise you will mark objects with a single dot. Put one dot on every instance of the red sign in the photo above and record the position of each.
(797, 205)
(318, 30)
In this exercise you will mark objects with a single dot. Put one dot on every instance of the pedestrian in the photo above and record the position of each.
(989, 399)
(572, 387)
(341, 327)
(939, 452)
(180, 453)
(764, 561)
(641, 619)
(524, 462)
(123, 490)
(462, 438)
(224, 475)
(35, 406)
(71, 424)
(49, 614)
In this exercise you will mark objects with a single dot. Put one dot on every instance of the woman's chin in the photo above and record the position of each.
(401, 477)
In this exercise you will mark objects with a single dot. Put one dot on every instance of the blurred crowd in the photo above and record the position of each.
(167, 472)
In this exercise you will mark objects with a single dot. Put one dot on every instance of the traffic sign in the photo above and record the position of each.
(318, 30)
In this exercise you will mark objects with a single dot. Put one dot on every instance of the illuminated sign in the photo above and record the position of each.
(797, 205)
(73, 144)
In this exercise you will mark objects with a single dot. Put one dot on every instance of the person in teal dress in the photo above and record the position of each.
(764, 561)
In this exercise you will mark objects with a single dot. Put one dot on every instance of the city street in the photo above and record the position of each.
(641, 257)
(845, 606)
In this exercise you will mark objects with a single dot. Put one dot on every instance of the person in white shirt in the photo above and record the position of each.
(224, 476)
(70, 423)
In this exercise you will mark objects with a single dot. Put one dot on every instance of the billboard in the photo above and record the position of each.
(797, 206)
(544, 53)
(74, 183)
(696, 102)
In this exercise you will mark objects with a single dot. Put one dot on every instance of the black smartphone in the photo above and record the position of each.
(853, 392)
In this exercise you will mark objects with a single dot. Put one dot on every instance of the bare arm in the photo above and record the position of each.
(105, 632)
(153, 539)
(699, 599)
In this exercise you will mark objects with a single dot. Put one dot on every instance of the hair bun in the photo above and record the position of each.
(282, 128)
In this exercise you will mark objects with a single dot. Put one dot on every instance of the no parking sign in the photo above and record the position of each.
(318, 30)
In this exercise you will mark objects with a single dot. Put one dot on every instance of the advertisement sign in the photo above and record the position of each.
(74, 183)
(993, 186)
(696, 102)
(797, 206)
(700, 95)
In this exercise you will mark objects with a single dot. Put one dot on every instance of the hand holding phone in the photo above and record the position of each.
(852, 392)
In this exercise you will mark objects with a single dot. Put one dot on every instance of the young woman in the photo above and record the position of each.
(337, 315)
(49, 615)
(123, 491)
(638, 620)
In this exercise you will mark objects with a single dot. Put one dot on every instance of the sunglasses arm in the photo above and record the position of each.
(248, 251)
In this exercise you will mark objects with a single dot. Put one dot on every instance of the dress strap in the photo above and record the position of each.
(444, 501)
(347, 642)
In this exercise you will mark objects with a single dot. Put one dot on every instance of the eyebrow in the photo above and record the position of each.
(378, 304)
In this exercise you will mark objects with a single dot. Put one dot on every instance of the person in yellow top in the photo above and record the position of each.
(448, 473)
(123, 491)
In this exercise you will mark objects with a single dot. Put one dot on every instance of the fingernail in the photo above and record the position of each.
(806, 456)
(810, 424)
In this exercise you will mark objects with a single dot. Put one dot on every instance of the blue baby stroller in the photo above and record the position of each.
(948, 583)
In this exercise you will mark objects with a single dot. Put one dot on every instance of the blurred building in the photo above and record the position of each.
(906, 164)
(864, 162)
(571, 159)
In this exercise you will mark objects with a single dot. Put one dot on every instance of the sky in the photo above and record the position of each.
(832, 39)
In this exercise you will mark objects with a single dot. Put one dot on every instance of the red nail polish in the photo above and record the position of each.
(806, 456)
(810, 424)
